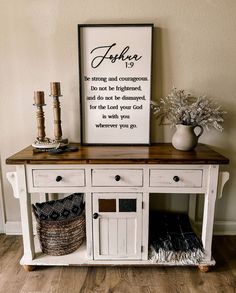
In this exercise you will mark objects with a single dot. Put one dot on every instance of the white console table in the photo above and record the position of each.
(109, 176)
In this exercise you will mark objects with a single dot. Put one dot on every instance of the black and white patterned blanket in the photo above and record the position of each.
(61, 209)
(172, 239)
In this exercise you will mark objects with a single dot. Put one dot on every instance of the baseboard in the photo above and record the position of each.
(225, 228)
(14, 228)
(220, 227)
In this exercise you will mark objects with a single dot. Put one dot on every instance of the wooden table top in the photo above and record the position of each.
(162, 153)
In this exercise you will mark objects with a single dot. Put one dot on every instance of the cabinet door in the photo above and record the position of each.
(117, 225)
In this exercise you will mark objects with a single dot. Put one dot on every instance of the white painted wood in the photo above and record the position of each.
(131, 236)
(145, 225)
(104, 236)
(44, 197)
(88, 188)
(88, 218)
(223, 178)
(209, 209)
(192, 207)
(98, 231)
(132, 230)
(113, 237)
(88, 213)
(12, 178)
(2, 209)
(110, 241)
(48, 178)
(107, 177)
(187, 178)
(26, 214)
(180, 190)
(122, 239)
(145, 213)
(79, 258)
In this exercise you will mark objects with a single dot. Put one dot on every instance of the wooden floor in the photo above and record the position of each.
(13, 278)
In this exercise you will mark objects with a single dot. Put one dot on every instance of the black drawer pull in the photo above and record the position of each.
(95, 216)
(176, 178)
(58, 178)
(117, 177)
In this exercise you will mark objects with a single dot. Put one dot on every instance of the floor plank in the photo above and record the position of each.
(221, 278)
(12, 275)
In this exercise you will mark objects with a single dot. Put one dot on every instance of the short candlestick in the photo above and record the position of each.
(39, 103)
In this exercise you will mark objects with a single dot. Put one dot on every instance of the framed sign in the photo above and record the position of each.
(115, 83)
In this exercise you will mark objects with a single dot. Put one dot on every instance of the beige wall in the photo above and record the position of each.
(194, 49)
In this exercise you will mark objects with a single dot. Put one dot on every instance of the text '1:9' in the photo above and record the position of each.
(129, 64)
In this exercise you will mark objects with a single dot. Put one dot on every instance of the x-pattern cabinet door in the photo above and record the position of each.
(117, 225)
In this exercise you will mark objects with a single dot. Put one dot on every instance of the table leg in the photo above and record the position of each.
(26, 215)
(28, 268)
(203, 269)
(44, 197)
(209, 209)
(192, 207)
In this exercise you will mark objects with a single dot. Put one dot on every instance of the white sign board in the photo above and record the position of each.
(115, 83)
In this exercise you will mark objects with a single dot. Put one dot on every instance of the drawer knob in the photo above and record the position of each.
(95, 216)
(117, 177)
(176, 178)
(58, 178)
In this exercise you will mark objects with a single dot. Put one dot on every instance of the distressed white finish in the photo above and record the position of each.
(26, 214)
(192, 207)
(223, 178)
(44, 178)
(44, 197)
(117, 234)
(79, 258)
(107, 177)
(12, 178)
(187, 178)
(209, 208)
(127, 234)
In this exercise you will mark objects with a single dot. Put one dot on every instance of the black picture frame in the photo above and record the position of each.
(115, 72)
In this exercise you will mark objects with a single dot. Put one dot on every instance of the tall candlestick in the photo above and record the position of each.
(56, 93)
(55, 89)
(57, 119)
(43, 142)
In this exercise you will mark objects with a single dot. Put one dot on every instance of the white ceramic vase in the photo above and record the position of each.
(185, 138)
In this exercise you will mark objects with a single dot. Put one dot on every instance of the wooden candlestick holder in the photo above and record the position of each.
(56, 93)
(41, 141)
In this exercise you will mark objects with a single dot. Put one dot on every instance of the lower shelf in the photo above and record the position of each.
(79, 258)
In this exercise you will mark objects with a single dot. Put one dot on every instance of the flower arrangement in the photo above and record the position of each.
(182, 108)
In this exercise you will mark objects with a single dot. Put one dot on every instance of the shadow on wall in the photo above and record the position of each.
(169, 202)
(159, 74)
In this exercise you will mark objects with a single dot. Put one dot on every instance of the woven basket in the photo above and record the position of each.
(60, 237)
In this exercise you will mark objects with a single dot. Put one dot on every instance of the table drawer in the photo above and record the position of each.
(176, 178)
(59, 177)
(117, 177)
